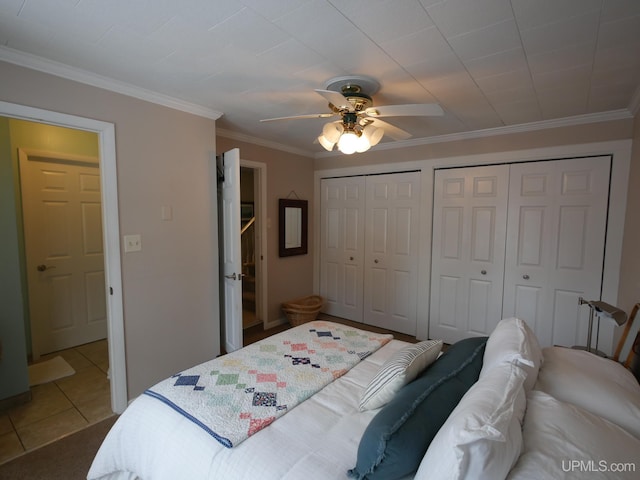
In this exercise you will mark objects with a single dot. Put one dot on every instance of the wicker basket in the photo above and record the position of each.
(303, 310)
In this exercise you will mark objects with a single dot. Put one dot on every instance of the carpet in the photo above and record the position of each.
(49, 370)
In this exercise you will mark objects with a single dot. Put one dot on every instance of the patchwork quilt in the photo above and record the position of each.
(236, 395)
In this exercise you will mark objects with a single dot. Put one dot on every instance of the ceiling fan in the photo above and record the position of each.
(359, 126)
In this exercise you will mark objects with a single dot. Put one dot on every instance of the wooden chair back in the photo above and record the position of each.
(623, 338)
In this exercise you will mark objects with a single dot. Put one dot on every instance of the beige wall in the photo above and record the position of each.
(288, 277)
(171, 318)
(630, 271)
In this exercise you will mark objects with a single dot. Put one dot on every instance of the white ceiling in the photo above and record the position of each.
(488, 63)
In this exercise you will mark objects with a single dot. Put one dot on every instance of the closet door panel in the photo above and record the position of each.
(469, 228)
(342, 246)
(555, 247)
(391, 251)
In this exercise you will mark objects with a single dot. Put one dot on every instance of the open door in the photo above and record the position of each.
(231, 250)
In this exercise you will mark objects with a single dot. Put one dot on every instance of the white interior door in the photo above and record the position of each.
(555, 248)
(231, 251)
(342, 246)
(469, 227)
(391, 251)
(64, 251)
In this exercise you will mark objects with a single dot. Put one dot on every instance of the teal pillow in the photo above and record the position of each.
(397, 438)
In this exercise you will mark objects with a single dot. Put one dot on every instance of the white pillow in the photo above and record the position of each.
(597, 384)
(513, 341)
(400, 369)
(565, 441)
(482, 438)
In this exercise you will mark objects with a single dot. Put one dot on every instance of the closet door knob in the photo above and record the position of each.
(375, 261)
(525, 276)
(483, 272)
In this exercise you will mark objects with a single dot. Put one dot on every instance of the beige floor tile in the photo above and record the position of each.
(5, 424)
(51, 428)
(96, 352)
(46, 400)
(61, 407)
(85, 385)
(96, 409)
(104, 366)
(10, 446)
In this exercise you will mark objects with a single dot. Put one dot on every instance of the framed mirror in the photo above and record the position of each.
(292, 227)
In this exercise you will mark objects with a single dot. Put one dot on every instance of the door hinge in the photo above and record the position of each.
(220, 168)
(110, 290)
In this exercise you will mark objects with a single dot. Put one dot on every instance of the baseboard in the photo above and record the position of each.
(275, 323)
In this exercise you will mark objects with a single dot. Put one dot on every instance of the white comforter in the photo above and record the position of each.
(317, 440)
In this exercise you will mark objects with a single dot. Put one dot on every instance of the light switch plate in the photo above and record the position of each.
(132, 243)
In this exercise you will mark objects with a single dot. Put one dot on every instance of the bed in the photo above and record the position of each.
(488, 407)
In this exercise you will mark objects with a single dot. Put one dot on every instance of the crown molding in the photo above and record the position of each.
(71, 73)
(609, 116)
(241, 137)
(612, 115)
(58, 69)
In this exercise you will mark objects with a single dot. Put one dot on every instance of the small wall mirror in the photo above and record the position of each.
(293, 227)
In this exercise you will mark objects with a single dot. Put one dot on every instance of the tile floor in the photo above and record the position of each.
(61, 407)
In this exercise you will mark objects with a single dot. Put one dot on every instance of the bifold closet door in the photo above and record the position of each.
(525, 240)
(468, 251)
(392, 231)
(342, 246)
(555, 245)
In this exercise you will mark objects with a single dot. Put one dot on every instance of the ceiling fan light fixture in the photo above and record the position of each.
(363, 144)
(348, 142)
(328, 145)
(332, 131)
(372, 134)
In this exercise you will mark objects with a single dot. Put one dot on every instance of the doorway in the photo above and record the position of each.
(248, 247)
(253, 243)
(62, 231)
(111, 236)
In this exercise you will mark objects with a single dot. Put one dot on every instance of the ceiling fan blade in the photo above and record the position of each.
(391, 130)
(296, 117)
(409, 110)
(335, 98)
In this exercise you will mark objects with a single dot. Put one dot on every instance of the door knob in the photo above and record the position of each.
(233, 276)
(525, 276)
(483, 272)
(43, 267)
(375, 261)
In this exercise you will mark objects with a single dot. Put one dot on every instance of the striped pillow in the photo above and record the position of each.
(400, 369)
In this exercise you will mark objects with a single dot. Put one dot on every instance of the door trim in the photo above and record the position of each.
(111, 233)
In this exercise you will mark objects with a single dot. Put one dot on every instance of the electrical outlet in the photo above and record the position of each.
(132, 243)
